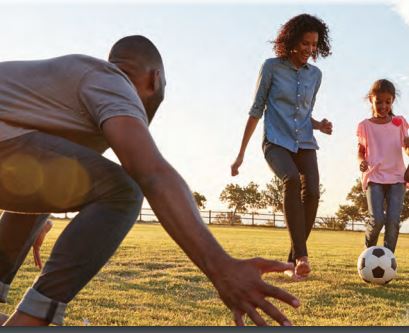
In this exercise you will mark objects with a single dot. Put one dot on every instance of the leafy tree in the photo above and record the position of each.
(330, 222)
(273, 195)
(241, 199)
(200, 200)
(357, 208)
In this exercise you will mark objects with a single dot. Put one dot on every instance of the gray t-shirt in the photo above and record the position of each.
(69, 96)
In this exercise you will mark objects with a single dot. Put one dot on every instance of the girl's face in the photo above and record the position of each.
(381, 104)
(304, 49)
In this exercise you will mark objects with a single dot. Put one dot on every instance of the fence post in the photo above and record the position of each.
(140, 216)
(252, 218)
(333, 224)
(274, 219)
(210, 216)
(352, 225)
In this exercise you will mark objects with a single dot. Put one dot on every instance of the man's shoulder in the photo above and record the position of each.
(91, 67)
(80, 60)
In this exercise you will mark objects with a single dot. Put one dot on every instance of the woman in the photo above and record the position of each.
(286, 92)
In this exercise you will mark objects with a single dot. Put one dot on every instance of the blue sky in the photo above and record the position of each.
(212, 55)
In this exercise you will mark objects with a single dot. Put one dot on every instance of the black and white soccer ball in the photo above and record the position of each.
(377, 264)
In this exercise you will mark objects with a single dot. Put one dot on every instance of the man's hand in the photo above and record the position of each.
(236, 165)
(39, 241)
(325, 126)
(243, 291)
(238, 282)
(363, 166)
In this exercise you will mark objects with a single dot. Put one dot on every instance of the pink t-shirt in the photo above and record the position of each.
(383, 150)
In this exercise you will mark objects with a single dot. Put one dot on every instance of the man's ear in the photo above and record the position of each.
(156, 79)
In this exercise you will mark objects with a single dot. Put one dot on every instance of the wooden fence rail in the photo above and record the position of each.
(213, 217)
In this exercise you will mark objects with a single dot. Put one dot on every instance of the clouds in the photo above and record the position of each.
(402, 7)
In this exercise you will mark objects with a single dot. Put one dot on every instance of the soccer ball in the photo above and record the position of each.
(377, 264)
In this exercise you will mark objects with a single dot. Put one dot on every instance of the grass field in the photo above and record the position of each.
(150, 282)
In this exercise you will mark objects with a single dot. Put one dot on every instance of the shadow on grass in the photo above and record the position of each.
(395, 292)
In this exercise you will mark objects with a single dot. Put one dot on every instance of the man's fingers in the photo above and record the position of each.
(280, 294)
(274, 313)
(255, 316)
(265, 265)
(238, 318)
(34, 256)
(37, 257)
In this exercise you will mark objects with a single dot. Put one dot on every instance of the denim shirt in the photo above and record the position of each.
(287, 97)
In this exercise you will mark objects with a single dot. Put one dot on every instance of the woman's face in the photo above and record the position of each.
(381, 104)
(304, 49)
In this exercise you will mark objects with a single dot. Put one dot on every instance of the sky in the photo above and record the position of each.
(212, 54)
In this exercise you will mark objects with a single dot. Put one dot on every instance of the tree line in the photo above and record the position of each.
(251, 198)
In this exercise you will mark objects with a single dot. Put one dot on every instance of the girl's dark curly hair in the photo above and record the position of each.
(291, 33)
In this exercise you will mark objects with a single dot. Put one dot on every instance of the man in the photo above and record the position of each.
(56, 118)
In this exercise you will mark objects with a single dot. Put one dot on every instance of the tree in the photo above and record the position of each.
(273, 195)
(241, 199)
(200, 200)
(357, 208)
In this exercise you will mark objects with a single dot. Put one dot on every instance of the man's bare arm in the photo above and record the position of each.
(238, 282)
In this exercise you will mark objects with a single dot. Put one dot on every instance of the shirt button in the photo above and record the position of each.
(296, 141)
(297, 107)
(298, 95)
(298, 82)
(295, 119)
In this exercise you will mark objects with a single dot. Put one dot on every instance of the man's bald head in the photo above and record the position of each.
(140, 60)
(136, 54)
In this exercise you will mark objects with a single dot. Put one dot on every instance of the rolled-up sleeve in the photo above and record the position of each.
(262, 90)
(317, 87)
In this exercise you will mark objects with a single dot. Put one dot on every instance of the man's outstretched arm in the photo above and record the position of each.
(238, 282)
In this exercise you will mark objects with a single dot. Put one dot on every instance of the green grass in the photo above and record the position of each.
(149, 281)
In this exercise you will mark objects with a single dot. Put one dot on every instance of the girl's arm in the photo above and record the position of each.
(248, 132)
(363, 164)
(406, 145)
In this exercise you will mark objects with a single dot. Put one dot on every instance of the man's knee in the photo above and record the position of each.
(125, 191)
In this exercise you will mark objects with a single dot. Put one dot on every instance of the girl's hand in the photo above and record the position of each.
(363, 166)
(235, 166)
(325, 126)
(406, 141)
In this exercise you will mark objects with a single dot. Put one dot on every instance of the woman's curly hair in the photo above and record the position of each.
(291, 33)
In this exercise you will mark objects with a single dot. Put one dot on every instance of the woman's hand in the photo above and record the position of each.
(236, 165)
(325, 126)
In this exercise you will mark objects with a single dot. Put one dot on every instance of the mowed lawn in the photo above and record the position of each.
(150, 282)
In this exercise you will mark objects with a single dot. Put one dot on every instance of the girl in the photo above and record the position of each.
(286, 92)
(381, 139)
